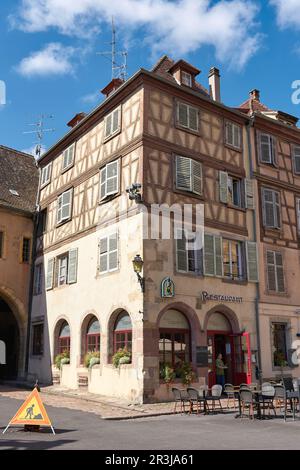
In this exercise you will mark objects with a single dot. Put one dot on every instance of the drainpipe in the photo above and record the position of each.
(257, 298)
(30, 295)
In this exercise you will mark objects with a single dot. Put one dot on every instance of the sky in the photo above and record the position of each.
(50, 66)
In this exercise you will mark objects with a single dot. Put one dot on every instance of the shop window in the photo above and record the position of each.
(279, 343)
(93, 336)
(123, 333)
(64, 339)
(174, 339)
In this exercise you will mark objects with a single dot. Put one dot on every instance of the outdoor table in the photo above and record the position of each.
(257, 394)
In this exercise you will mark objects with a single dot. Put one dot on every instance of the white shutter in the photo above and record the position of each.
(197, 177)
(59, 209)
(223, 184)
(181, 254)
(66, 205)
(116, 120)
(112, 178)
(113, 252)
(182, 114)
(249, 194)
(229, 133)
(49, 275)
(102, 183)
(296, 158)
(237, 136)
(108, 125)
(72, 266)
(183, 173)
(103, 255)
(252, 261)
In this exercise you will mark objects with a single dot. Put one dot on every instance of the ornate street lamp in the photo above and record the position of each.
(138, 263)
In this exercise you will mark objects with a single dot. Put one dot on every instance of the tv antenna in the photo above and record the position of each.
(39, 131)
(118, 70)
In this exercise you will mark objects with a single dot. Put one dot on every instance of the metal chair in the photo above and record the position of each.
(247, 402)
(196, 399)
(229, 391)
(291, 396)
(266, 399)
(215, 397)
(279, 395)
(180, 397)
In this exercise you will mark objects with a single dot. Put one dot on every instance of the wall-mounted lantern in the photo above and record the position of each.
(134, 192)
(138, 263)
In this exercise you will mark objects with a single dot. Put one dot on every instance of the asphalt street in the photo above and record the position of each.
(79, 430)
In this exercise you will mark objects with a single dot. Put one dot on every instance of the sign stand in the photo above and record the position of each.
(31, 414)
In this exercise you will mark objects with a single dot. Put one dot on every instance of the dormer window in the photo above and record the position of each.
(186, 79)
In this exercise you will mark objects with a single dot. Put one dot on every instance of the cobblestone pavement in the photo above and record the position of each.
(107, 408)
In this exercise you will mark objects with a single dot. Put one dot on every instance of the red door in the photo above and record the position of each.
(241, 358)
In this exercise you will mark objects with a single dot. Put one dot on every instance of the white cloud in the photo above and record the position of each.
(91, 98)
(54, 59)
(172, 26)
(288, 13)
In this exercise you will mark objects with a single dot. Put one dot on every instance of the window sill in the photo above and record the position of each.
(277, 294)
(189, 274)
(188, 194)
(232, 147)
(108, 138)
(238, 208)
(241, 282)
(64, 170)
(45, 184)
(109, 198)
(106, 273)
(63, 222)
(187, 129)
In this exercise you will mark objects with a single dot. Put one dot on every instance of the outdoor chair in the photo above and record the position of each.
(181, 398)
(279, 396)
(291, 396)
(215, 397)
(229, 392)
(247, 402)
(196, 398)
(266, 399)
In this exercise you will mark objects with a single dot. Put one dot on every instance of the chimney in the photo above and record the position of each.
(112, 86)
(214, 84)
(76, 119)
(255, 95)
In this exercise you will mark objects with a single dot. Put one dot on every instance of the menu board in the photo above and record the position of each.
(202, 356)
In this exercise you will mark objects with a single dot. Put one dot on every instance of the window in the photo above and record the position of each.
(188, 175)
(26, 249)
(93, 336)
(233, 259)
(275, 272)
(233, 134)
(38, 339)
(174, 339)
(123, 333)
(296, 158)
(62, 270)
(64, 206)
(188, 116)
(267, 148)
(68, 157)
(1, 244)
(108, 253)
(38, 279)
(189, 253)
(46, 174)
(112, 123)
(64, 339)
(42, 222)
(109, 180)
(271, 208)
(279, 344)
(186, 78)
(297, 214)
(234, 191)
(213, 255)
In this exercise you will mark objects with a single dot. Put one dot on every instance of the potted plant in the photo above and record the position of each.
(185, 371)
(61, 359)
(91, 359)
(122, 356)
(167, 374)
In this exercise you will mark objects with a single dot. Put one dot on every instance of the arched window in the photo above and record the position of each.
(123, 332)
(174, 339)
(64, 339)
(92, 343)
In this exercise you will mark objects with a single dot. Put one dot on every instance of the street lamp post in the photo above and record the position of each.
(138, 263)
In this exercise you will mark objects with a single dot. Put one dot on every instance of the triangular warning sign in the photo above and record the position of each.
(32, 412)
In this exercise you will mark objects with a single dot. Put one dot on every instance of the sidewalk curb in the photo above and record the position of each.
(152, 415)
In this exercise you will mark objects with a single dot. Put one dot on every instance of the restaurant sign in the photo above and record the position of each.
(220, 298)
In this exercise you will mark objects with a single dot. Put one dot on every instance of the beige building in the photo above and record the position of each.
(159, 138)
(18, 192)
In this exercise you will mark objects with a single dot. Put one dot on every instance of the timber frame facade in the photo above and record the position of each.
(183, 148)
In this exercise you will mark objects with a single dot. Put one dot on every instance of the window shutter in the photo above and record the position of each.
(265, 148)
(181, 254)
(115, 124)
(103, 183)
(279, 272)
(249, 194)
(209, 255)
(113, 252)
(276, 198)
(112, 178)
(49, 276)
(236, 136)
(183, 173)
(298, 213)
(296, 158)
(182, 114)
(229, 133)
(218, 256)
(103, 261)
(273, 144)
(268, 208)
(271, 270)
(72, 266)
(197, 177)
(108, 125)
(252, 261)
(66, 205)
(193, 118)
(223, 183)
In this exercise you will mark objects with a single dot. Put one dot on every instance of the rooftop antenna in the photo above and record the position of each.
(39, 130)
(119, 70)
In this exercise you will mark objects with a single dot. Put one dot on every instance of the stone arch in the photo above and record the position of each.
(228, 313)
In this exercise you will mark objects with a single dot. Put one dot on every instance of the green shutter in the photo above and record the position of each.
(223, 183)
(49, 275)
(181, 254)
(218, 256)
(209, 255)
(252, 261)
(72, 267)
